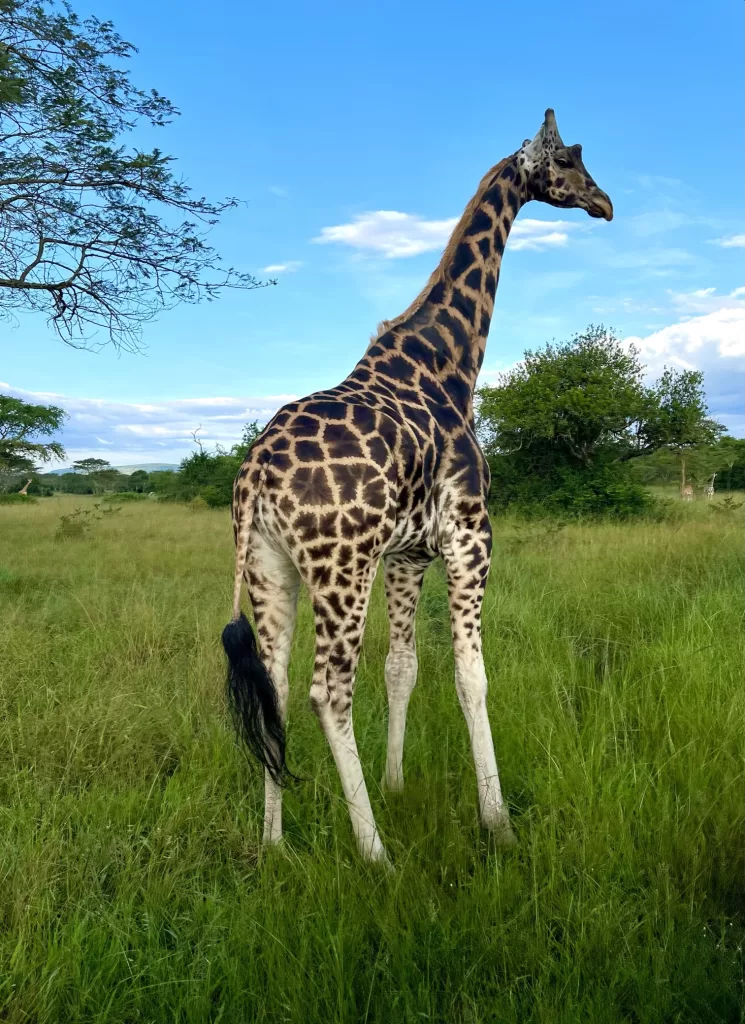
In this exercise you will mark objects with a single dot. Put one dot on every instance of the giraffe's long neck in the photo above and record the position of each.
(451, 316)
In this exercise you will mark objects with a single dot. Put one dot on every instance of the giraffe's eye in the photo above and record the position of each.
(561, 161)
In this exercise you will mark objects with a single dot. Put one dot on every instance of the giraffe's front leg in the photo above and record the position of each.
(467, 554)
(403, 585)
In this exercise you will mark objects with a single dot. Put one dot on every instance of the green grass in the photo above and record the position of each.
(132, 883)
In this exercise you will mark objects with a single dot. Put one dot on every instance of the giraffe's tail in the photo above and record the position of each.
(252, 697)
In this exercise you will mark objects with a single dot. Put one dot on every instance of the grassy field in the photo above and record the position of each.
(132, 884)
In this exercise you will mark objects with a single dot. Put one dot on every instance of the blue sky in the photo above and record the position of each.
(357, 133)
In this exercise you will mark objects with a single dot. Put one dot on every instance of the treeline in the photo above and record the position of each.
(575, 429)
(204, 475)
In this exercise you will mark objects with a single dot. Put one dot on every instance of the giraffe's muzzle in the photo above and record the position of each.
(600, 206)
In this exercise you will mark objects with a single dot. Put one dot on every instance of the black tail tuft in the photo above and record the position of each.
(253, 699)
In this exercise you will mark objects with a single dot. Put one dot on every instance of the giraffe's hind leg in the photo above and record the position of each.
(340, 622)
(466, 555)
(273, 585)
(403, 585)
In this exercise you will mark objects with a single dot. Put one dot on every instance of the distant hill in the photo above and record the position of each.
(149, 467)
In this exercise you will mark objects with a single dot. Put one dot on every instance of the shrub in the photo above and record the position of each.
(124, 496)
(17, 499)
(76, 525)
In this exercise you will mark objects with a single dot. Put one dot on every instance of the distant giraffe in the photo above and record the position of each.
(687, 492)
(386, 464)
(24, 489)
(709, 490)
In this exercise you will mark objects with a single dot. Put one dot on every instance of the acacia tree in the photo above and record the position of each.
(559, 428)
(91, 465)
(677, 418)
(24, 430)
(93, 234)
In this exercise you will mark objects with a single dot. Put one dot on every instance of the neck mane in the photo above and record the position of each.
(450, 317)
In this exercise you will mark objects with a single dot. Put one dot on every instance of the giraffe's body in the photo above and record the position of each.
(387, 465)
(24, 489)
(709, 492)
(688, 492)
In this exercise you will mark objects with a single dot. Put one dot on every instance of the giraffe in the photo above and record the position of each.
(687, 492)
(385, 465)
(709, 490)
(24, 489)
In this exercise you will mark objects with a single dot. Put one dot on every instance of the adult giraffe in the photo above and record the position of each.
(386, 464)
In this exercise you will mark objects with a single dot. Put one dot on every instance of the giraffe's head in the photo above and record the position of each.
(556, 174)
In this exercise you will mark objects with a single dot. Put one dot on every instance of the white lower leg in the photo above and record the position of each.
(470, 679)
(277, 666)
(344, 748)
(272, 811)
(400, 679)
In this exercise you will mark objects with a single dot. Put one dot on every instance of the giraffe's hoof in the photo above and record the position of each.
(392, 783)
(377, 856)
(501, 831)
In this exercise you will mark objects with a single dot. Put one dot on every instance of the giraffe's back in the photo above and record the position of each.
(351, 473)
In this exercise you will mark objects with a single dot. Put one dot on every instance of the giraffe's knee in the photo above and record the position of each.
(400, 672)
(319, 698)
(470, 681)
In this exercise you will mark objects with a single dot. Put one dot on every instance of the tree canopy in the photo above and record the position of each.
(559, 427)
(97, 236)
(24, 430)
(90, 465)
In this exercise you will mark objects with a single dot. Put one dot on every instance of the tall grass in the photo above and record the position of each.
(132, 883)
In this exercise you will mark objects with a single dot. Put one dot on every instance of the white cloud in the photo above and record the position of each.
(397, 235)
(706, 300)
(130, 432)
(391, 233)
(652, 261)
(730, 241)
(713, 342)
(282, 268)
(277, 190)
(539, 234)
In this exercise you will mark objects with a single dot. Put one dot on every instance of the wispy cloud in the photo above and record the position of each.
(730, 241)
(278, 191)
(713, 342)
(130, 432)
(391, 233)
(653, 260)
(282, 268)
(398, 235)
(657, 222)
(707, 300)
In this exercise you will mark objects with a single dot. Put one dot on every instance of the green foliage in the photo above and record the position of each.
(124, 496)
(208, 475)
(23, 429)
(726, 507)
(77, 524)
(94, 476)
(560, 429)
(725, 458)
(139, 481)
(17, 499)
(89, 466)
(676, 417)
(95, 234)
(135, 888)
